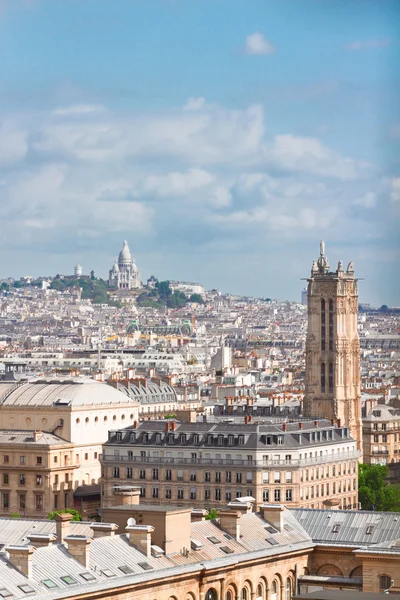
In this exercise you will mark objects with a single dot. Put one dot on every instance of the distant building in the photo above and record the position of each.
(304, 295)
(332, 389)
(187, 288)
(124, 274)
(381, 436)
(78, 271)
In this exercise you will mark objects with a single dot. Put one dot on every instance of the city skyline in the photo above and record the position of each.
(223, 143)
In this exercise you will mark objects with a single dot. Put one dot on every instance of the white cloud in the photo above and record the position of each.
(395, 189)
(176, 183)
(368, 200)
(256, 43)
(77, 110)
(13, 143)
(374, 43)
(194, 104)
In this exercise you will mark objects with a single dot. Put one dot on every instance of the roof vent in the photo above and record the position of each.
(196, 545)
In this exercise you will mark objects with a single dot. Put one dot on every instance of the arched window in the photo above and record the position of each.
(385, 583)
(274, 591)
(323, 385)
(228, 595)
(245, 595)
(288, 589)
(211, 594)
(330, 378)
(260, 592)
(323, 325)
(331, 325)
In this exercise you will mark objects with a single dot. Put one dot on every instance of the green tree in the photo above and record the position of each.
(4, 286)
(75, 514)
(211, 514)
(196, 298)
(373, 491)
(15, 515)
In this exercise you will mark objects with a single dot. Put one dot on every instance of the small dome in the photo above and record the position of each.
(125, 257)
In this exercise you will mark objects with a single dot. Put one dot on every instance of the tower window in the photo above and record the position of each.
(323, 385)
(331, 325)
(323, 325)
(330, 378)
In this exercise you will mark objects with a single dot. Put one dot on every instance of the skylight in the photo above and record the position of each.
(27, 589)
(108, 573)
(87, 576)
(271, 541)
(145, 566)
(49, 584)
(336, 528)
(4, 593)
(214, 540)
(68, 580)
(270, 529)
(226, 549)
(126, 569)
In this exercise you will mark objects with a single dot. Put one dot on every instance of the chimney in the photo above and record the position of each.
(62, 526)
(316, 423)
(173, 425)
(246, 420)
(126, 494)
(332, 421)
(229, 520)
(167, 426)
(103, 529)
(300, 425)
(78, 547)
(242, 507)
(21, 558)
(273, 513)
(339, 422)
(198, 514)
(36, 435)
(284, 426)
(42, 540)
(140, 536)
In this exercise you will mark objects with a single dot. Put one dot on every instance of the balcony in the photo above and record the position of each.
(380, 452)
(257, 464)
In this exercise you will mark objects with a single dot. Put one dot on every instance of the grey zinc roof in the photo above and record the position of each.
(11, 579)
(26, 437)
(75, 392)
(353, 526)
(15, 531)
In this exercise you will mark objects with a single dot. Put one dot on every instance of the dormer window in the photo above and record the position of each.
(183, 438)
(145, 437)
(231, 440)
(196, 438)
(210, 439)
(241, 440)
(171, 438)
(119, 436)
(133, 437)
(220, 440)
(158, 438)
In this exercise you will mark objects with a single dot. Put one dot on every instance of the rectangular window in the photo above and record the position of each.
(39, 460)
(143, 492)
(249, 477)
(289, 495)
(238, 494)
(142, 474)
(192, 475)
(168, 494)
(180, 494)
(6, 500)
(238, 478)
(39, 502)
(22, 460)
(6, 458)
(179, 474)
(39, 480)
(95, 455)
(384, 437)
(277, 477)
(207, 494)
(168, 475)
(207, 476)
(228, 496)
(21, 501)
(217, 494)
(277, 495)
(86, 456)
(193, 493)
(56, 502)
(323, 385)
(155, 474)
(66, 477)
(116, 472)
(288, 476)
(155, 492)
(129, 473)
(217, 477)
(265, 495)
(5, 479)
(228, 476)
(56, 479)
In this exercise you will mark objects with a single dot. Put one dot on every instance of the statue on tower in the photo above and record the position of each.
(323, 264)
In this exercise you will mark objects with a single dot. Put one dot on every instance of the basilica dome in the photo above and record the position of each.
(125, 257)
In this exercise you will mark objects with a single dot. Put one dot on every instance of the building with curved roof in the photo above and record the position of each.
(124, 274)
(77, 412)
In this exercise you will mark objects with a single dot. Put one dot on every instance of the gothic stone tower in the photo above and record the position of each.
(332, 346)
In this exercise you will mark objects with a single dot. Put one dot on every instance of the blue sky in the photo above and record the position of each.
(222, 138)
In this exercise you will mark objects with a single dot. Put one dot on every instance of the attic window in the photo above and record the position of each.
(49, 584)
(226, 549)
(108, 573)
(145, 566)
(270, 529)
(68, 580)
(126, 569)
(271, 541)
(87, 576)
(27, 589)
(336, 528)
(370, 529)
(214, 540)
(5, 593)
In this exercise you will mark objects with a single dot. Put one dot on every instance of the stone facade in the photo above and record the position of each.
(124, 275)
(332, 348)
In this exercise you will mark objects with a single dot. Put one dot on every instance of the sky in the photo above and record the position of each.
(222, 138)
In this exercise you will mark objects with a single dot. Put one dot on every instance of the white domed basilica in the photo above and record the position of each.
(124, 274)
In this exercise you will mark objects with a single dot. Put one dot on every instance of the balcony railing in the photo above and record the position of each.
(258, 464)
(383, 452)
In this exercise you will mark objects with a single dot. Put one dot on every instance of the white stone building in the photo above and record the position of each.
(124, 274)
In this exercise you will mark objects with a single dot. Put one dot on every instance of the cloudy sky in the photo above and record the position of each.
(222, 138)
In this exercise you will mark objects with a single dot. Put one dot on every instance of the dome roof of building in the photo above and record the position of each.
(125, 257)
(65, 392)
(78, 266)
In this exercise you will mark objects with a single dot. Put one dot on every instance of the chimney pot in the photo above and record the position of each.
(339, 422)
(316, 423)
(300, 425)
(135, 424)
(284, 427)
(332, 421)
(21, 558)
(246, 420)
(62, 526)
(167, 426)
(173, 425)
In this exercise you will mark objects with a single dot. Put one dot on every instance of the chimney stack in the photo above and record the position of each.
(103, 529)
(229, 520)
(284, 426)
(273, 513)
(21, 558)
(37, 434)
(242, 507)
(300, 425)
(167, 426)
(332, 421)
(140, 536)
(316, 423)
(78, 547)
(173, 425)
(246, 420)
(62, 526)
(339, 422)
(42, 540)
(198, 514)
(126, 494)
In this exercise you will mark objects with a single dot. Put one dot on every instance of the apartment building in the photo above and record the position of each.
(381, 435)
(309, 464)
